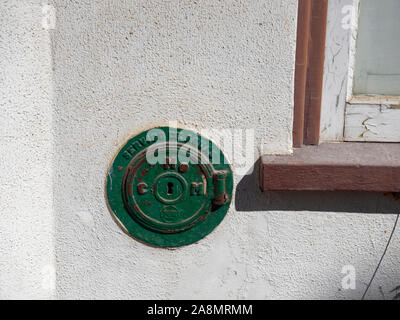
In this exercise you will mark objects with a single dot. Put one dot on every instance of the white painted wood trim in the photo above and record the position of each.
(336, 69)
(352, 49)
(370, 123)
(376, 100)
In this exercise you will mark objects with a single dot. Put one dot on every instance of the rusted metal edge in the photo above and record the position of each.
(334, 167)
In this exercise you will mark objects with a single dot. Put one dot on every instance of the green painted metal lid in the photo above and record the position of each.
(169, 187)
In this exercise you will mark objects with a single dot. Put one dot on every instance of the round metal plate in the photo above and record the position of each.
(169, 187)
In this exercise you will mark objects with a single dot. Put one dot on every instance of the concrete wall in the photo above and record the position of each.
(122, 66)
(27, 263)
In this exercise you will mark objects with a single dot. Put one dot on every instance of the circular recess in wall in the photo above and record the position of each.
(169, 187)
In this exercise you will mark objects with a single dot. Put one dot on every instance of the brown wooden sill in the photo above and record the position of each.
(334, 166)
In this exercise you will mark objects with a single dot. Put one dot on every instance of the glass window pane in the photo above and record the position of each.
(377, 66)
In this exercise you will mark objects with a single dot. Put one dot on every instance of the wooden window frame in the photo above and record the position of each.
(348, 166)
(310, 57)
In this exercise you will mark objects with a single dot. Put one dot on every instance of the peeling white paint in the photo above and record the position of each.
(352, 52)
(370, 123)
(337, 51)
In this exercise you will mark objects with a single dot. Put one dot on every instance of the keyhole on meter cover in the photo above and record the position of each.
(170, 188)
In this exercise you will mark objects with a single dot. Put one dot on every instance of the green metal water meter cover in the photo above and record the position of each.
(169, 187)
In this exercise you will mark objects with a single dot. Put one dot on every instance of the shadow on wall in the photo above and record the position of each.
(249, 197)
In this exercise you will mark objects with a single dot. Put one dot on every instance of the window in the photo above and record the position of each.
(346, 90)
(361, 91)
(377, 54)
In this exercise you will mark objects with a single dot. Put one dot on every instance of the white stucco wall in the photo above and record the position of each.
(122, 66)
(27, 262)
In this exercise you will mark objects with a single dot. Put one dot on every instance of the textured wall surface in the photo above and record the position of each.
(27, 263)
(122, 66)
